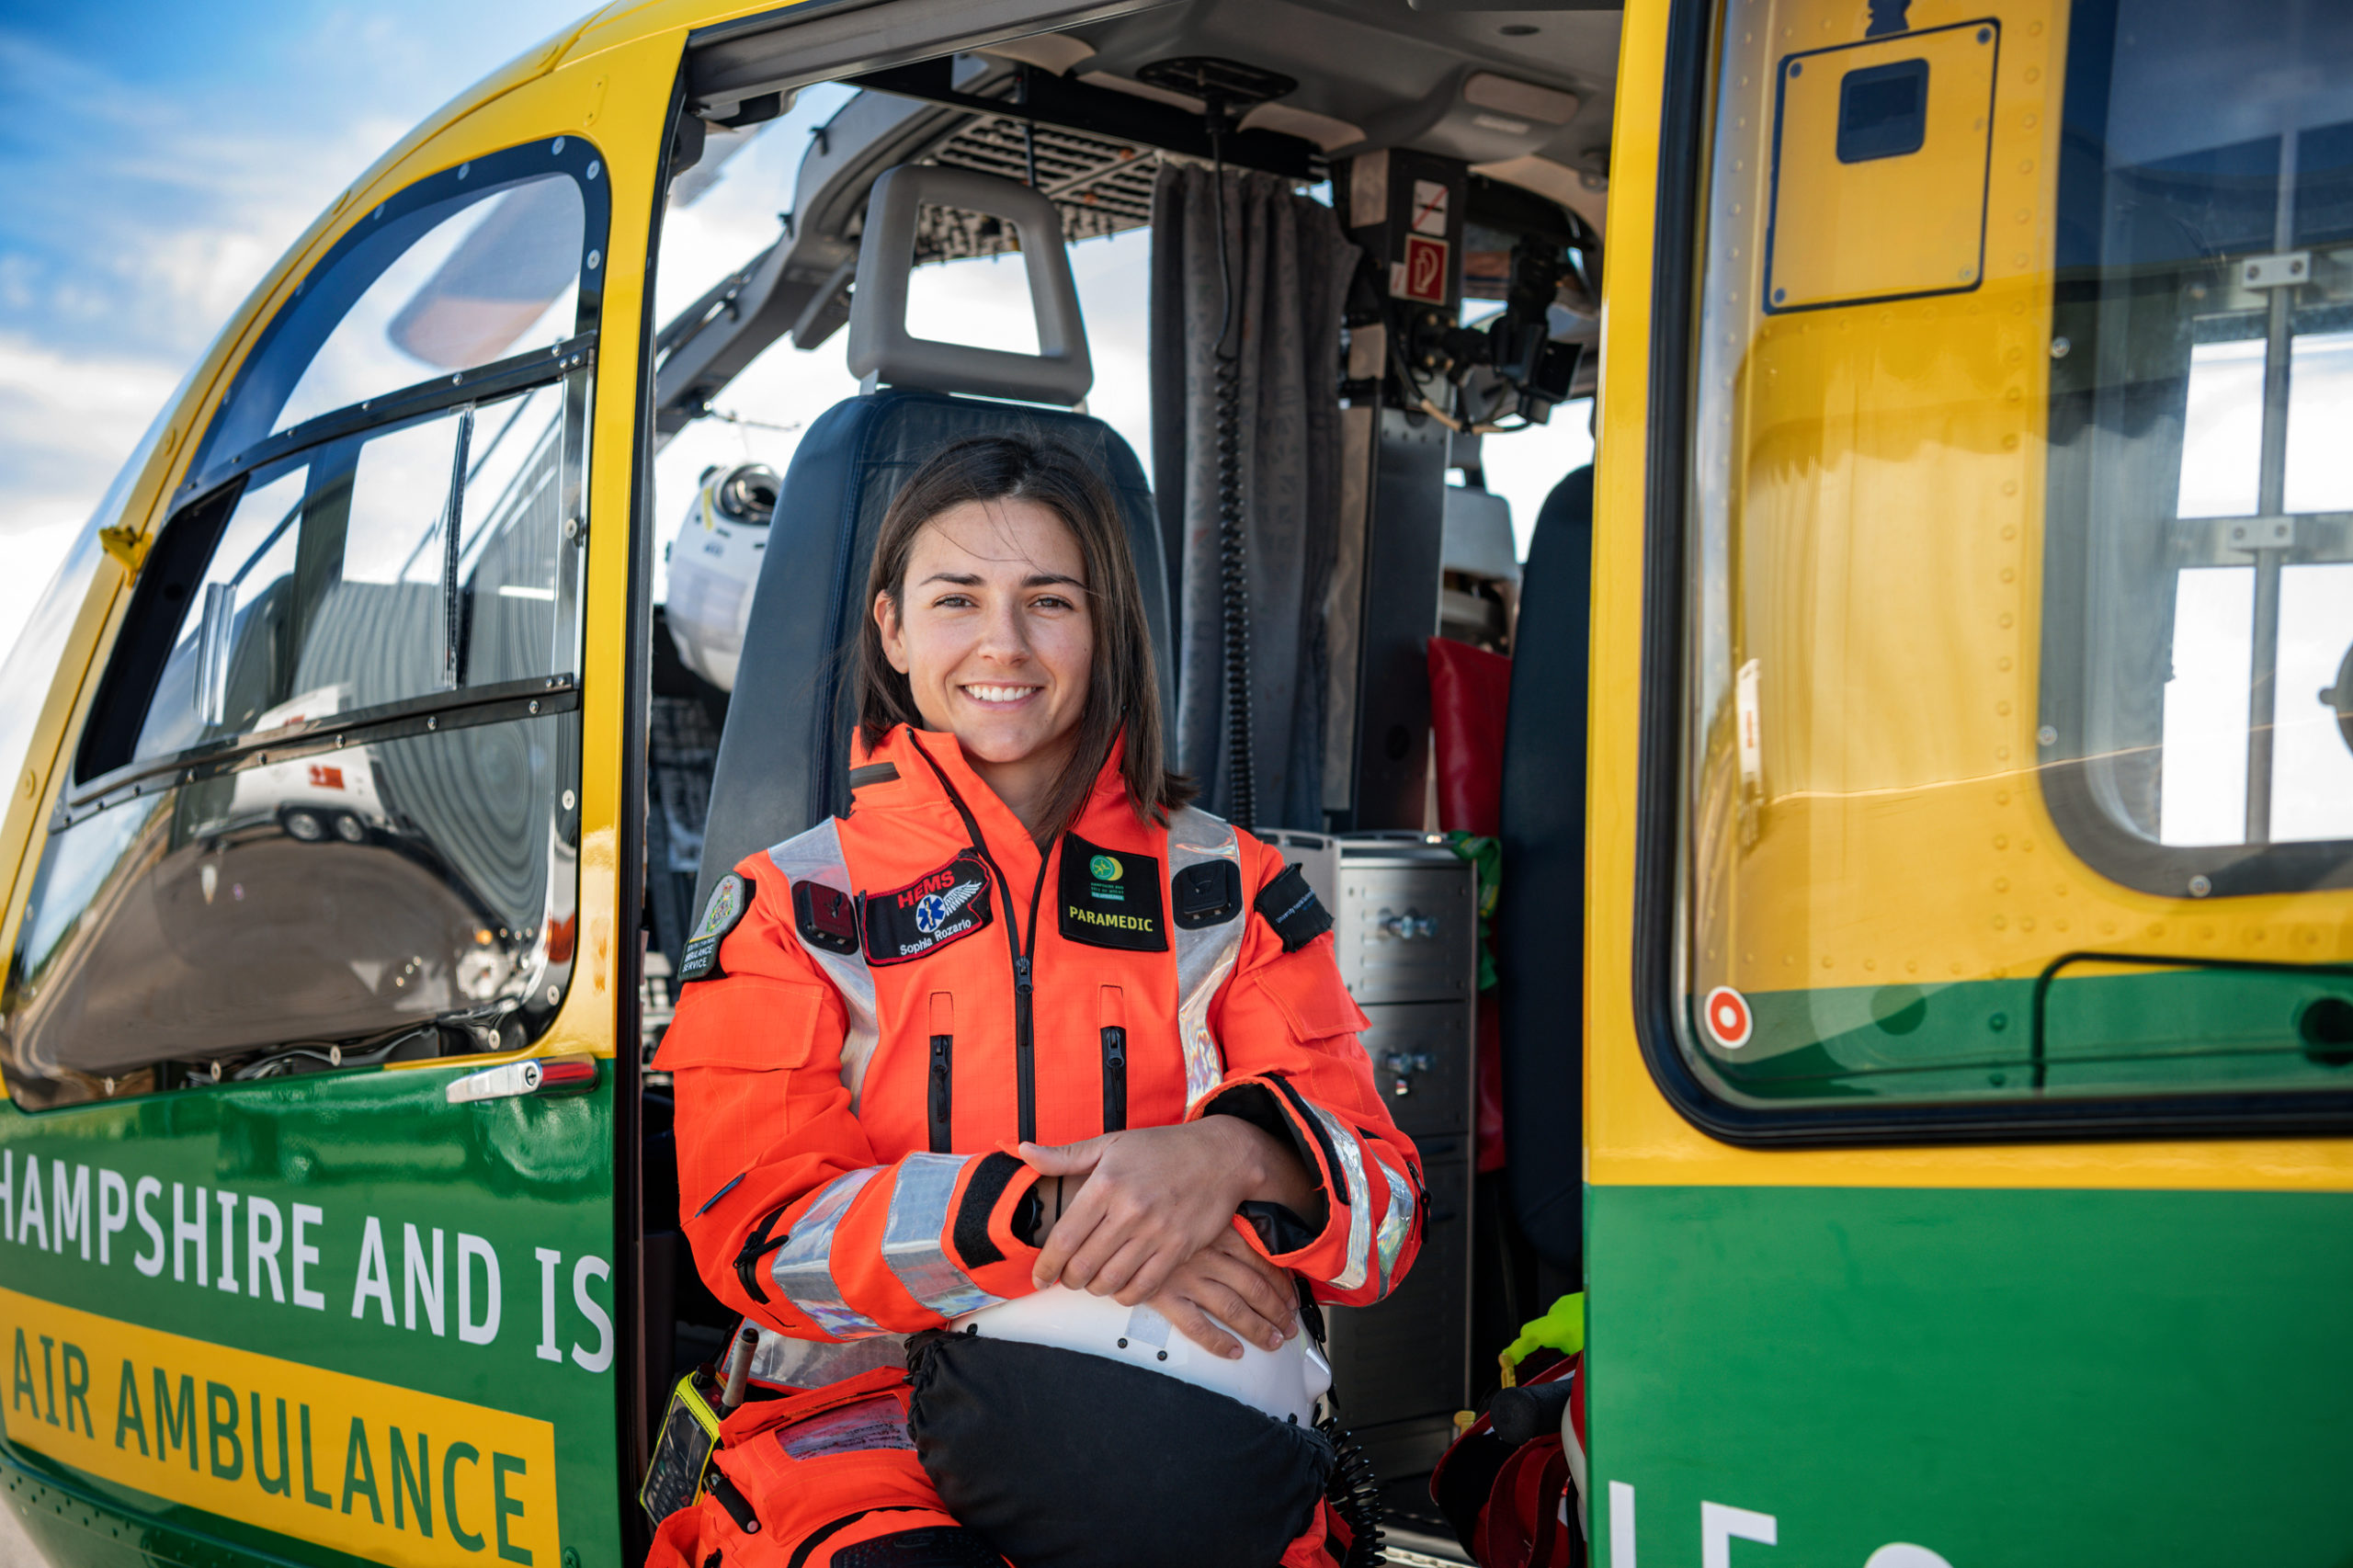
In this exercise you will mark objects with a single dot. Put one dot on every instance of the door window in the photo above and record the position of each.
(324, 809)
(2020, 566)
(2201, 505)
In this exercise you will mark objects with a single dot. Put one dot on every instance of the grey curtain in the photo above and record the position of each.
(1291, 267)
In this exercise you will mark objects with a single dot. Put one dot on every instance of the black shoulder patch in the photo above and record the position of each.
(945, 906)
(825, 917)
(874, 773)
(1209, 893)
(729, 900)
(1110, 899)
(1290, 906)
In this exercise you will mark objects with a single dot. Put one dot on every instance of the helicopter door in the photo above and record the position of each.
(307, 1164)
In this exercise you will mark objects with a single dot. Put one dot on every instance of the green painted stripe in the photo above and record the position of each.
(2169, 1030)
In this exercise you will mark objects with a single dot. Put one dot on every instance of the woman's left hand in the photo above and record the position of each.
(1151, 1198)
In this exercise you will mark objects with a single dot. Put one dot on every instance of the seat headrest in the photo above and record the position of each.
(879, 346)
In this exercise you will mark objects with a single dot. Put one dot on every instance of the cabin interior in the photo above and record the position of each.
(1318, 283)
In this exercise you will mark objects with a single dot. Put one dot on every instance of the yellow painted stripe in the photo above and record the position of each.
(387, 1474)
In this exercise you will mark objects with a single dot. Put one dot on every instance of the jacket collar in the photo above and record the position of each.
(923, 757)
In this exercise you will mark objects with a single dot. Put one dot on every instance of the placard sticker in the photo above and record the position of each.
(1726, 1015)
(1422, 274)
(1430, 208)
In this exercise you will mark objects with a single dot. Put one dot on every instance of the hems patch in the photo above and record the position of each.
(721, 913)
(943, 907)
(1110, 898)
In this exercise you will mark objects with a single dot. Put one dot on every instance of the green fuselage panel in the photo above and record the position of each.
(2006, 1379)
(395, 1343)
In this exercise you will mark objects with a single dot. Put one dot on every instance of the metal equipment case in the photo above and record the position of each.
(1405, 914)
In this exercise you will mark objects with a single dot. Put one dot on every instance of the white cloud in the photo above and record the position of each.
(67, 420)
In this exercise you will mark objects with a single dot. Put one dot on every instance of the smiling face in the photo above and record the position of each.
(992, 630)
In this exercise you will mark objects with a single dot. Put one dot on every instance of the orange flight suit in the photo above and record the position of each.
(872, 1013)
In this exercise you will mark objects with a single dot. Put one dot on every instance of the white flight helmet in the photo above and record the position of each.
(1284, 1384)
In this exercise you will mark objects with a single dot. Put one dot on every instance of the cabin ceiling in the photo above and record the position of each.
(1380, 67)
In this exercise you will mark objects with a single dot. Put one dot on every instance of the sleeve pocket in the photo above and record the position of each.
(749, 1022)
(1306, 989)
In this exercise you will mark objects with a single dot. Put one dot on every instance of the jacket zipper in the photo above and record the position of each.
(1024, 1067)
(943, 1091)
(1024, 1029)
(1112, 1020)
(943, 1072)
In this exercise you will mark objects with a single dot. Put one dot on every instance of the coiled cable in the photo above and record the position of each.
(1233, 538)
(1354, 1492)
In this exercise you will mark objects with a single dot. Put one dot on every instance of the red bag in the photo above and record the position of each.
(1519, 1506)
(1470, 690)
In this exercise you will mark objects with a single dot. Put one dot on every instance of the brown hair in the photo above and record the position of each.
(1123, 689)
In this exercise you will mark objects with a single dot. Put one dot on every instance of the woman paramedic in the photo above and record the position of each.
(1021, 1026)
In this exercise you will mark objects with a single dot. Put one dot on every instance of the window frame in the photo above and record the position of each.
(1661, 845)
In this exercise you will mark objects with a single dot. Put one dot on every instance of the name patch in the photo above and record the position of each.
(1111, 898)
(934, 910)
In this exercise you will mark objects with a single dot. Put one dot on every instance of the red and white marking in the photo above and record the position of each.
(1726, 1015)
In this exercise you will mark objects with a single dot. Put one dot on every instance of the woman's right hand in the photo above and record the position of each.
(1229, 1282)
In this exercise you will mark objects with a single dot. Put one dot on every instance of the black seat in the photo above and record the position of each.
(783, 757)
(1540, 918)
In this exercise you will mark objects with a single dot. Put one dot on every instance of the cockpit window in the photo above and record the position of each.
(494, 261)
(338, 586)
(325, 811)
(499, 276)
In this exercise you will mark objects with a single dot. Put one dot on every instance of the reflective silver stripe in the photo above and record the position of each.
(817, 857)
(1395, 1225)
(1351, 1152)
(813, 1363)
(803, 1270)
(911, 1236)
(1205, 957)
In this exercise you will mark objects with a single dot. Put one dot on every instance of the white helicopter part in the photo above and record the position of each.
(714, 562)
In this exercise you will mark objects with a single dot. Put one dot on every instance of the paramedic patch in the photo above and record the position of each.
(928, 913)
(721, 913)
(1290, 906)
(1111, 898)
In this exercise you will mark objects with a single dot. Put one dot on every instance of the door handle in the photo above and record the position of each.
(533, 1075)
